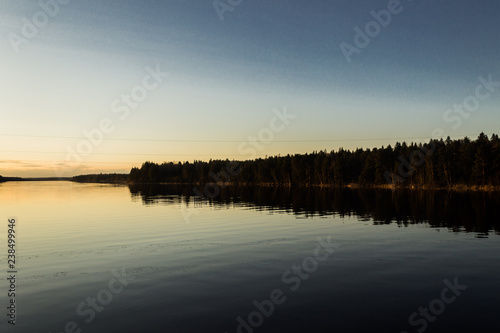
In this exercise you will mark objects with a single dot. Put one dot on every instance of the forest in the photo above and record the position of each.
(9, 179)
(108, 178)
(438, 163)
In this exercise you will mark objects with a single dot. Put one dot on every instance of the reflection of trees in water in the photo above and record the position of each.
(459, 211)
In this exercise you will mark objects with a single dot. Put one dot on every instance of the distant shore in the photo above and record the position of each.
(37, 179)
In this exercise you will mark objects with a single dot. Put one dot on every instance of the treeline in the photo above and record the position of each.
(102, 178)
(10, 179)
(441, 162)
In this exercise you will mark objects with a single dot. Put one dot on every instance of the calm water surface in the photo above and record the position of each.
(192, 265)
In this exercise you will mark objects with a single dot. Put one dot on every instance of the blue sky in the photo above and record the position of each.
(227, 76)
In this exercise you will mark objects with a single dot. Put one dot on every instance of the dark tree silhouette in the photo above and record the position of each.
(443, 163)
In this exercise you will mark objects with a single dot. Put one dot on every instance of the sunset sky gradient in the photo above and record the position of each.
(228, 78)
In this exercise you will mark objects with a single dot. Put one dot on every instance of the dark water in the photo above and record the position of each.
(477, 212)
(346, 261)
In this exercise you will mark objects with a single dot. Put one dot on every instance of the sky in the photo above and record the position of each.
(101, 86)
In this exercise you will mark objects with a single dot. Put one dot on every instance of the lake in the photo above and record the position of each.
(104, 258)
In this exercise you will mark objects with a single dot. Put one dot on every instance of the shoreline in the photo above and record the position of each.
(354, 186)
(455, 188)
